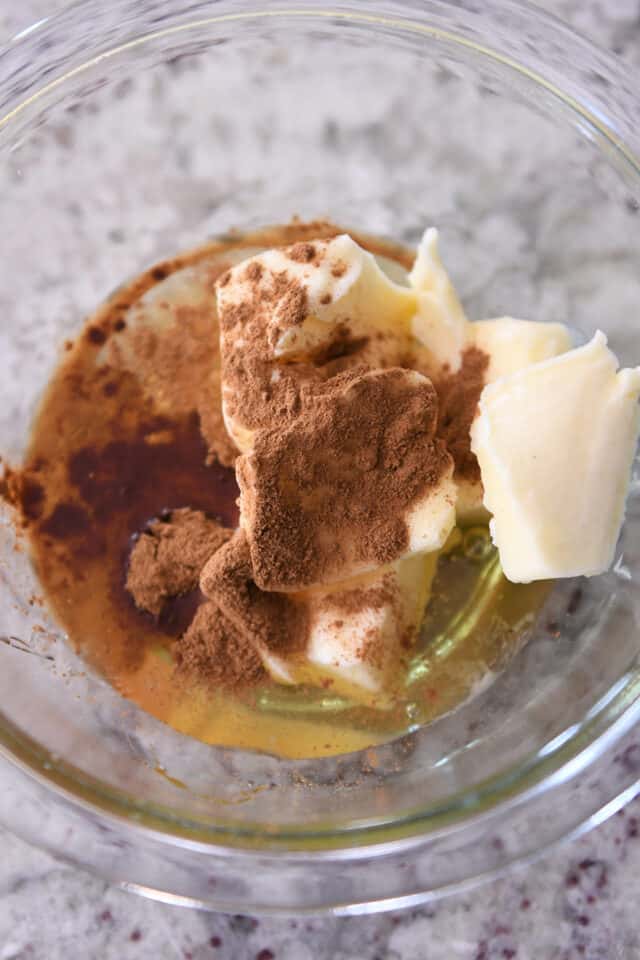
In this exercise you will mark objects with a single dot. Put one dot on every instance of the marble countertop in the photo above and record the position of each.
(577, 903)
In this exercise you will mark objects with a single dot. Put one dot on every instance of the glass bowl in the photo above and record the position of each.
(130, 131)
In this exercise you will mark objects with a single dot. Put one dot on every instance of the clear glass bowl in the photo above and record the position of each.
(129, 131)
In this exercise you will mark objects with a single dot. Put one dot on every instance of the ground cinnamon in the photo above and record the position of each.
(333, 489)
(178, 363)
(168, 556)
(458, 396)
(267, 621)
(213, 651)
(259, 392)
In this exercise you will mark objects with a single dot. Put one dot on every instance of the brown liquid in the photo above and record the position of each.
(118, 440)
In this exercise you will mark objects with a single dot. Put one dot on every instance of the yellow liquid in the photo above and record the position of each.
(104, 402)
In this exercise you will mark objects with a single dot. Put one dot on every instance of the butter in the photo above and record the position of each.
(361, 648)
(514, 344)
(298, 302)
(344, 287)
(554, 435)
(360, 631)
(510, 345)
(432, 518)
(555, 442)
(443, 331)
(439, 323)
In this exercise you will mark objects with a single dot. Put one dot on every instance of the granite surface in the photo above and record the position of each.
(578, 903)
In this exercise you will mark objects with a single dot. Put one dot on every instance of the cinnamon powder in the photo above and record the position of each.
(302, 252)
(270, 621)
(333, 488)
(179, 365)
(259, 392)
(458, 396)
(167, 558)
(212, 650)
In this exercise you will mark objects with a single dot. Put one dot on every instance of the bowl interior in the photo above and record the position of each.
(182, 131)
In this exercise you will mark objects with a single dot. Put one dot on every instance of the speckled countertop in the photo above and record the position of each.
(579, 903)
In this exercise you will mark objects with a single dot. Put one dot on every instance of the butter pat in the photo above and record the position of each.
(360, 631)
(344, 288)
(300, 304)
(555, 442)
(359, 636)
(512, 345)
(439, 324)
(311, 290)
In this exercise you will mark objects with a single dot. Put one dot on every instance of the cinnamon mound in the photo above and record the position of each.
(267, 621)
(213, 651)
(167, 558)
(332, 490)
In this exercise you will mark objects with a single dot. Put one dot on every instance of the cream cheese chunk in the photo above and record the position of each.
(555, 442)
